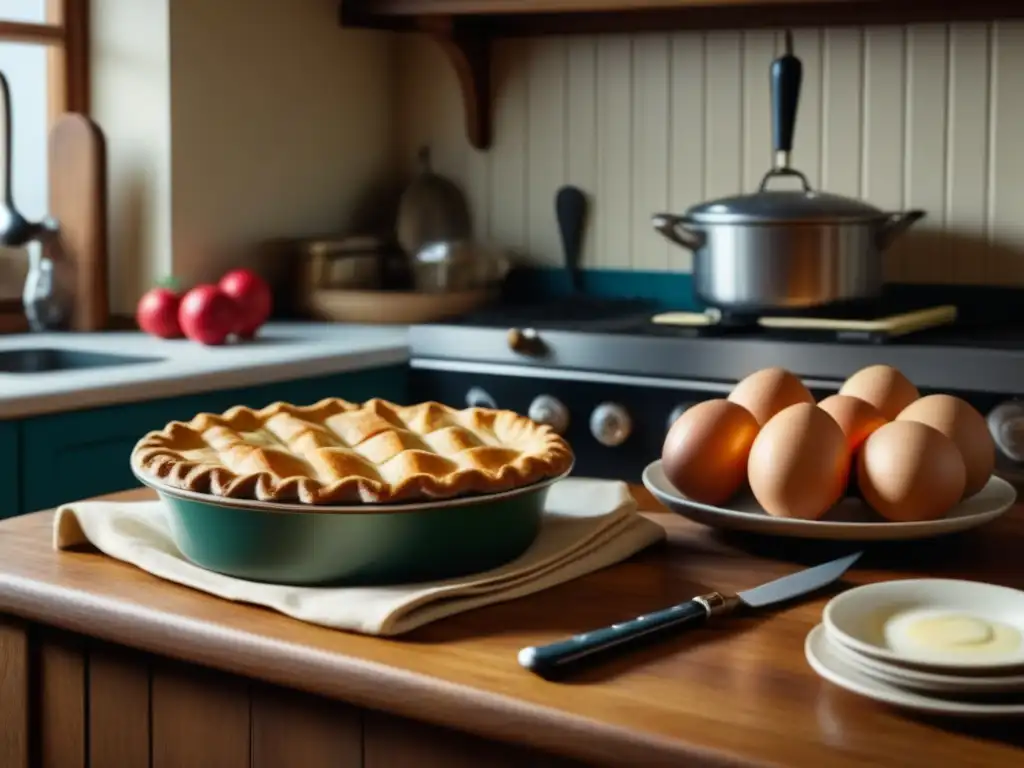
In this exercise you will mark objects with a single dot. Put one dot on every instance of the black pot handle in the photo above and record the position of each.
(786, 76)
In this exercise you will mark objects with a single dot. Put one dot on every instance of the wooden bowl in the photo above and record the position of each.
(395, 307)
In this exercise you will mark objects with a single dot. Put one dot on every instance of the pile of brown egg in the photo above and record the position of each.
(910, 458)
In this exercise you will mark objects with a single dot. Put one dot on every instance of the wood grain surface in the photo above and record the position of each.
(61, 700)
(14, 694)
(740, 692)
(536, 17)
(119, 722)
(78, 201)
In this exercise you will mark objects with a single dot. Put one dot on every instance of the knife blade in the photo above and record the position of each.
(562, 657)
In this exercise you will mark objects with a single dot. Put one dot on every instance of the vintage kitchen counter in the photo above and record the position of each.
(86, 419)
(104, 665)
(283, 351)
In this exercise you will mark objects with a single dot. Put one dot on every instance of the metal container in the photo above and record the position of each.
(458, 265)
(431, 208)
(345, 262)
(785, 249)
(351, 545)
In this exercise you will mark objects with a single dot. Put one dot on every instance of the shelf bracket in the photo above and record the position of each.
(469, 52)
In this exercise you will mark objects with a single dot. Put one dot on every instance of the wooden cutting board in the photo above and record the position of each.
(78, 201)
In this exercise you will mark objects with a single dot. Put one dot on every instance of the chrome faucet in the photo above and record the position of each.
(47, 295)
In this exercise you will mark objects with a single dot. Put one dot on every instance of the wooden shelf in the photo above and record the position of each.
(465, 29)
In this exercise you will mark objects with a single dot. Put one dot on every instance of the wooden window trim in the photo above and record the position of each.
(66, 36)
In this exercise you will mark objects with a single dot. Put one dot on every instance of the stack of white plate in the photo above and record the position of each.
(938, 646)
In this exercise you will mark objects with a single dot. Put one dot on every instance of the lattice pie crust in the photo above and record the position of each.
(337, 452)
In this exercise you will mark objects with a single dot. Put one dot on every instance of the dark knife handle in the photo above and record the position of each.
(561, 658)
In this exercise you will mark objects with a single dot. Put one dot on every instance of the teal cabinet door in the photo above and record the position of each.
(10, 474)
(75, 455)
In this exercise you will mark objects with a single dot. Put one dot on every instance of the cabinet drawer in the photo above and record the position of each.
(78, 454)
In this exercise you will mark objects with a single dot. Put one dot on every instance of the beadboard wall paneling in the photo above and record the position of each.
(921, 116)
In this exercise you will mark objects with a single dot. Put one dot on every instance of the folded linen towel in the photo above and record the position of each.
(587, 525)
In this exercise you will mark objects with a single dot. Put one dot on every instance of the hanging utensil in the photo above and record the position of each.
(780, 249)
(571, 212)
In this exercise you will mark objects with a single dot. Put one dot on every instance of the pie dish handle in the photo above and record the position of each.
(564, 657)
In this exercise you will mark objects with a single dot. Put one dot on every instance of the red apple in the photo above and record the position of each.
(208, 315)
(252, 295)
(157, 313)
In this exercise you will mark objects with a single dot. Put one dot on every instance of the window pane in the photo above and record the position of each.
(25, 67)
(23, 10)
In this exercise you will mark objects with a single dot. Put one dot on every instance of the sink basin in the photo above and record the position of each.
(47, 359)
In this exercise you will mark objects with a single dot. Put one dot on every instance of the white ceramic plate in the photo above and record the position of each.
(871, 620)
(851, 519)
(927, 682)
(828, 664)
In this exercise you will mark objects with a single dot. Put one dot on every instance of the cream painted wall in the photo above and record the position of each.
(281, 124)
(228, 123)
(922, 116)
(131, 89)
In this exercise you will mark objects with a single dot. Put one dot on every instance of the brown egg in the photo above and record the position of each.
(958, 421)
(705, 451)
(857, 418)
(799, 463)
(884, 387)
(766, 392)
(909, 472)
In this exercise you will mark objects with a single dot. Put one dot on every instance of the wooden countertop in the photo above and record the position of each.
(739, 693)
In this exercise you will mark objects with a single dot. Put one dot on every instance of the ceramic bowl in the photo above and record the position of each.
(875, 620)
(358, 544)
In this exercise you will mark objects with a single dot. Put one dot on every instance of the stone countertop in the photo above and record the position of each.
(282, 352)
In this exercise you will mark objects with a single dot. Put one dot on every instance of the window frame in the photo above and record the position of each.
(65, 34)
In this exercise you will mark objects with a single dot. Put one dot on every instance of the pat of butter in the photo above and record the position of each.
(961, 634)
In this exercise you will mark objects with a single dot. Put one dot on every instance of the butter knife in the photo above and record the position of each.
(560, 658)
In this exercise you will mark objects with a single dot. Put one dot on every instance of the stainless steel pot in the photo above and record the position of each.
(785, 249)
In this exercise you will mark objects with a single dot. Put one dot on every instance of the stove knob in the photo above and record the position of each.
(1006, 424)
(525, 341)
(478, 397)
(549, 410)
(610, 424)
(678, 411)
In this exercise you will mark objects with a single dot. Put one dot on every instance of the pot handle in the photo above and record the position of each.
(784, 172)
(787, 76)
(896, 224)
(674, 228)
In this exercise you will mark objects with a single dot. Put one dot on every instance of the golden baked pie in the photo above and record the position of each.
(337, 452)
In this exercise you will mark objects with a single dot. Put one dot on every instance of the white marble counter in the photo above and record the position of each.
(283, 352)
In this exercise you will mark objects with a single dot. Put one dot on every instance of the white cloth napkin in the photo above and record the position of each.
(587, 525)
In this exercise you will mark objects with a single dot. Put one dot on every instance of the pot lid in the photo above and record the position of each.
(789, 205)
(779, 206)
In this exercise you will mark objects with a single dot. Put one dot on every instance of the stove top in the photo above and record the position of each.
(575, 313)
(893, 320)
(945, 339)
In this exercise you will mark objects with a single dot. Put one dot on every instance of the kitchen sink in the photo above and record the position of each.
(48, 359)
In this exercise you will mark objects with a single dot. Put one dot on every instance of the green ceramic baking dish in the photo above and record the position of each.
(364, 544)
